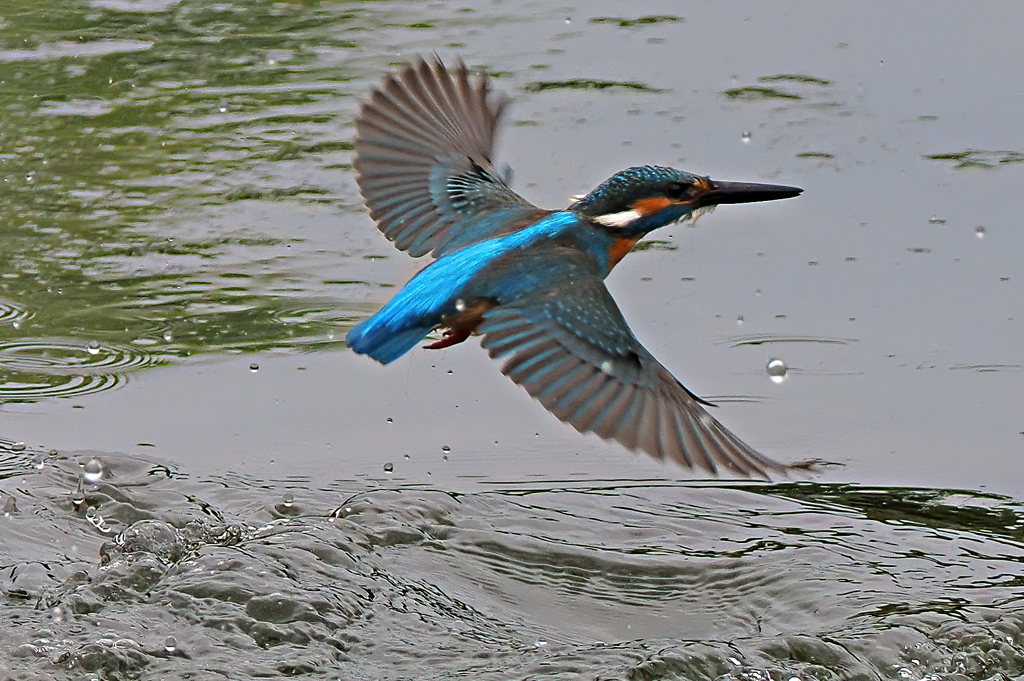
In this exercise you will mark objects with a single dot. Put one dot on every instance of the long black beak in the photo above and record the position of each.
(745, 192)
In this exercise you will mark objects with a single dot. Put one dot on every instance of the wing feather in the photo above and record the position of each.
(602, 380)
(424, 145)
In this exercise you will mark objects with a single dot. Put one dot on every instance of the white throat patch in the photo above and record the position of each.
(618, 219)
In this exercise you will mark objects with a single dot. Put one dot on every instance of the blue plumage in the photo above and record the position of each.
(530, 281)
(433, 293)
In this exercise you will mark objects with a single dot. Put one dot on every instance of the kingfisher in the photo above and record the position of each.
(530, 281)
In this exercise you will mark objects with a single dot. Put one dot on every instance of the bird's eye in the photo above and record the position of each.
(676, 190)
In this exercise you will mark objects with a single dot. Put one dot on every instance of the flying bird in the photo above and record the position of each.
(530, 281)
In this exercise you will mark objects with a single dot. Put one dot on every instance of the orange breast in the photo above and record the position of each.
(618, 250)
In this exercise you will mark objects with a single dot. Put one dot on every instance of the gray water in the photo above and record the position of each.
(197, 479)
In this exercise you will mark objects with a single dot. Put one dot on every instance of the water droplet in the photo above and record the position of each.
(936, 220)
(979, 231)
(222, 106)
(446, 449)
(287, 500)
(739, 320)
(96, 520)
(389, 468)
(93, 470)
(450, 371)
(540, 643)
(390, 420)
(745, 137)
(254, 367)
(30, 176)
(18, 447)
(777, 370)
(170, 644)
(78, 496)
(9, 507)
(406, 457)
(39, 460)
(93, 348)
(568, 21)
(168, 337)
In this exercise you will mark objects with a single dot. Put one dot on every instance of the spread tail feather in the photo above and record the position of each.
(382, 343)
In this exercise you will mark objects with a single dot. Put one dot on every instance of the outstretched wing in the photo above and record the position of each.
(570, 347)
(424, 144)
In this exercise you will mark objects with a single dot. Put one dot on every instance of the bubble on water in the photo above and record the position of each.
(936, 220)
(93, 348)
(389, 468)
(745, 137)
(96, 520)
(18, 447)
(170, 644)
(93, 470)
(78, 496)
(777, 370)
(979, 231)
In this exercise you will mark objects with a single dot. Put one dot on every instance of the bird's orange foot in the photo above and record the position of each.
(451, 337)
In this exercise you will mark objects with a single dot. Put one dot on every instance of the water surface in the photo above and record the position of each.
(198, 480)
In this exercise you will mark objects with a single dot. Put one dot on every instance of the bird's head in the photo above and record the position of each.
(641, 199)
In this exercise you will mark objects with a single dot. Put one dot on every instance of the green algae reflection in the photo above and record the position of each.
(587, 84)
(151, 163)
(768, 92)
(641, 21)
(755, 92)
(978, 158)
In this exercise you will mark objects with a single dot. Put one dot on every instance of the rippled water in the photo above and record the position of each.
(198, 481)
(604, 579)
